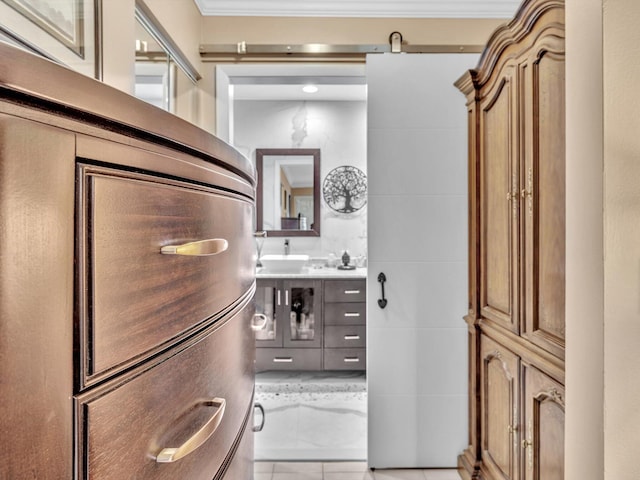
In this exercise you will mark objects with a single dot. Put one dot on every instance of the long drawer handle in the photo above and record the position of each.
(202, 248)
(256, 327)
(170, 455)
(351, 292)
(348, 314)
(351, 360)
(352, 337)
(283, 360)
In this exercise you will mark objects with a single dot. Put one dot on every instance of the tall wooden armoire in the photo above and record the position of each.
(516, 111)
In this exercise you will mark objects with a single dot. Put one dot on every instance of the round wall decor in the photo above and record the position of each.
(345, 189)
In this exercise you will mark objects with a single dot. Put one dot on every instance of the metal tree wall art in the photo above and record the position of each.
(345, 189)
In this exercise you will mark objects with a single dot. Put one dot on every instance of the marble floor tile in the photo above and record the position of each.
(348, 476)
(332, 467)
(319, 416)
(399, 474)
(298, 476)
(444, 474)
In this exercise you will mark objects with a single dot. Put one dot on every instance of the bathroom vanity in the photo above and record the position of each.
(316, 320)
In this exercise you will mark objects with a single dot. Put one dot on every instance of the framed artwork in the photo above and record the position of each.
(345, 189)
(66, 31)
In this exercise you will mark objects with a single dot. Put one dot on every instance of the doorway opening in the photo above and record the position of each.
(315, 408)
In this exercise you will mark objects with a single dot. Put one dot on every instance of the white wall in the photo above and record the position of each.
(338, 129)
(621, 61)
(584, 441)
(603, 251)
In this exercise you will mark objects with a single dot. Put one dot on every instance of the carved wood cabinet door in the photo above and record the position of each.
(499, 383)
(543, 433)
(499, 202)
(542, 193)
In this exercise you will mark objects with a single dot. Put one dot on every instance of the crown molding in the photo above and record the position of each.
(361, 8)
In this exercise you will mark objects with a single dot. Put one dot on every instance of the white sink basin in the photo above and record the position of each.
(284, 263)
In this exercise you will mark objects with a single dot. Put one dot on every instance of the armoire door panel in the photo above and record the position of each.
(499, 207)
(499, 380)
(543, 444)
(543, 194)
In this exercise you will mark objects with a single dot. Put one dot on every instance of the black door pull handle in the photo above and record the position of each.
(382, 302)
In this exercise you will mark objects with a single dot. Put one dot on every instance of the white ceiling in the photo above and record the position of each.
(361, 8)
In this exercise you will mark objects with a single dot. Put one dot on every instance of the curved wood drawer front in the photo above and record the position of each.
(124, 429)
(138, 299)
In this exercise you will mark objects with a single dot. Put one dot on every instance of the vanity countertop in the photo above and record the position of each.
(319, 273)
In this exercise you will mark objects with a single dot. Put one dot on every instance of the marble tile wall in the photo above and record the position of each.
(338, 129)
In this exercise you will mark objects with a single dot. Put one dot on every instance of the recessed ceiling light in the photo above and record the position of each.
(309, 89)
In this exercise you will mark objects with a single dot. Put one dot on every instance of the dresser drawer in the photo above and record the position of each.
(345, 359)
(348, 336)
(126, 428)
(345, 291)
(345, 313)
(288, 359)
(138, 299)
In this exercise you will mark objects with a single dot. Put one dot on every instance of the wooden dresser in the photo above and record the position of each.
(127, 270)
(516, 105)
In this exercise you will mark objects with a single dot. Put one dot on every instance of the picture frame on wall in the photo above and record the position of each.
(65, 31)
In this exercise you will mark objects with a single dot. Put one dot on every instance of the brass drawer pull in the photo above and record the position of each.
(201, 248)
(352, 337)
(283, 360)
(355, 314)
(351, 360)
(256, 327)
(170, 455)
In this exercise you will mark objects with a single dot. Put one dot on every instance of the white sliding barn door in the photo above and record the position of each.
(417, 234)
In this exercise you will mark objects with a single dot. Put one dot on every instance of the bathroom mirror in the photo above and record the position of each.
(288, 196)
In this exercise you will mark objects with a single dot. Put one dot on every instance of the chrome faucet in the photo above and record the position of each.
(286, 246)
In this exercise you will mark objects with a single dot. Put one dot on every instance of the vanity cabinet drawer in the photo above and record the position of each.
(349, 336)
(345, 291)
(137, 300)
(345, 359)
(345, 313)
(288, 359)
(125, 427)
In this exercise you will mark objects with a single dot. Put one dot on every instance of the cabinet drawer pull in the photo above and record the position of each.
(351, 360)
(283, 360)
(351, 292)
(352, 337)
(256, 327)
(170, 455)
(355, 314)
(202, 248)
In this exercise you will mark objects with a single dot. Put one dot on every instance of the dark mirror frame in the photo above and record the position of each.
(315, 153)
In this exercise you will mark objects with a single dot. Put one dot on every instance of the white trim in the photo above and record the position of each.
(361, 8)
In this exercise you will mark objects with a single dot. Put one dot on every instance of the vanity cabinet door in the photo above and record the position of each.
(268, 301)
(302, 313)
